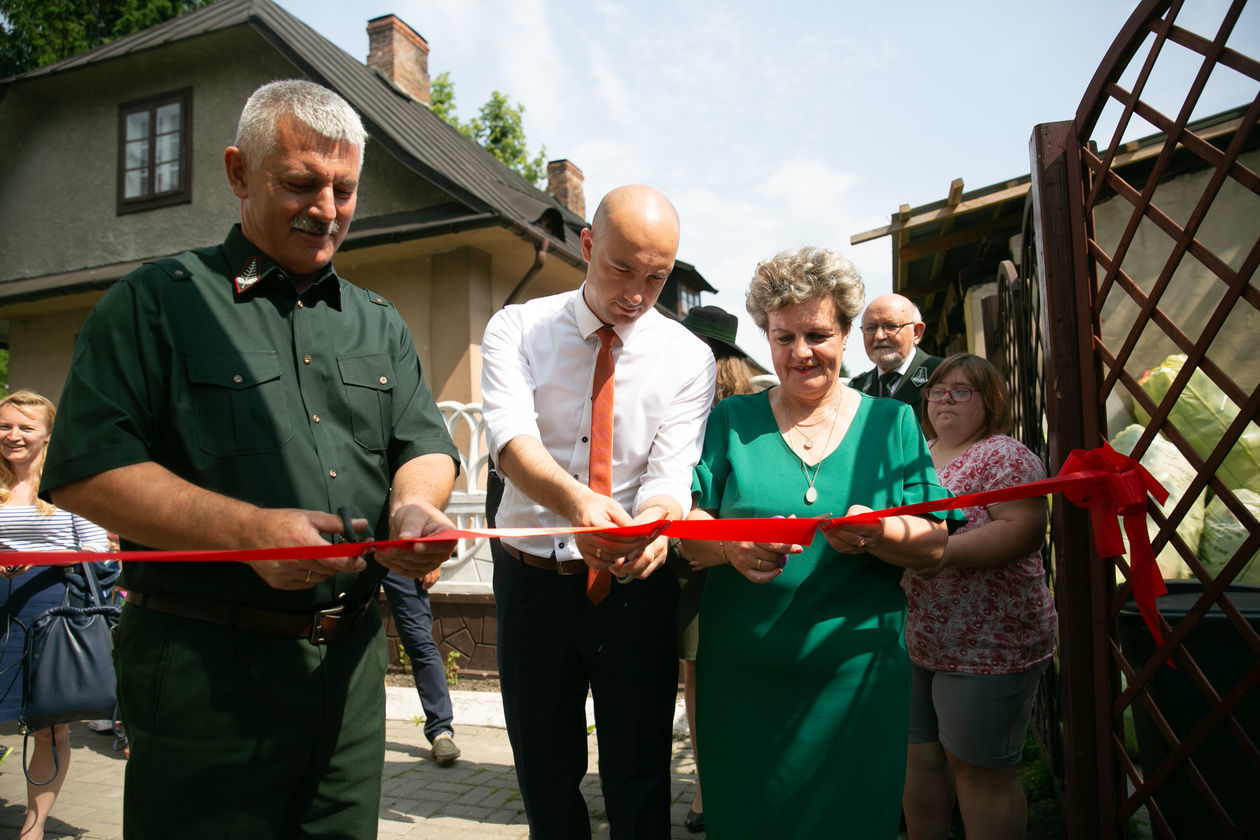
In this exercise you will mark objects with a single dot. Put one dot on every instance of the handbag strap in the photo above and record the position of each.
(89, 571)
(94, 588)
(26, 765)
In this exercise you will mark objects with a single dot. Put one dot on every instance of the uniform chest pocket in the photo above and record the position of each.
(239, 403)
(369, 383)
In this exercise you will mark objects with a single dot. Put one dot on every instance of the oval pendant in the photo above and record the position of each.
(811, 495)
(809, 444)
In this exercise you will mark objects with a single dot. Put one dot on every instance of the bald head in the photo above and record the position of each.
(900, 327)
(630, 247)
(638, 206)
(902, 308)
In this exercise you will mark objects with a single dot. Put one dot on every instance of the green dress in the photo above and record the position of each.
(803, 683)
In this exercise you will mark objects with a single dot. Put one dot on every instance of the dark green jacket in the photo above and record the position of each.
(909, 388)
(210, 365)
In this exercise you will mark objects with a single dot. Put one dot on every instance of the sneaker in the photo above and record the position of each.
(5, 752)
(444, 749)
(101, 726)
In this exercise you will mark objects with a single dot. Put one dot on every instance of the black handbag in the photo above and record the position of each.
(68, 669)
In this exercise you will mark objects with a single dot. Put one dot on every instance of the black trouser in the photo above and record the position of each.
(553, 643)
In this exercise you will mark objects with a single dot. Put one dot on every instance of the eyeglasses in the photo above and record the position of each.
(889, 329)
(959, 395)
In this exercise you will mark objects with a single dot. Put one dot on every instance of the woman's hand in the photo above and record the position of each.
(12, 571)
(911, 542)
(856, 537)
(759, 562)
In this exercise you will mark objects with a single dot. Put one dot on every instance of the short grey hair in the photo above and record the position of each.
(800, 274)
(323, 111)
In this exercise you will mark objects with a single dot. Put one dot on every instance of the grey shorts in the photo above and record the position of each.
(981, 718)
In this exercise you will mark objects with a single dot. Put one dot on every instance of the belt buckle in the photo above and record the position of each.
(318, 635)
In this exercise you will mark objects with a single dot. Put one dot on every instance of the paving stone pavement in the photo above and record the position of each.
(474, 799)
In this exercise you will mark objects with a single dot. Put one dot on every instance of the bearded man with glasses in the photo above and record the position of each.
(892, 328)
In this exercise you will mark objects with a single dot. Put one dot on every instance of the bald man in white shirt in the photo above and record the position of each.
(556, 640)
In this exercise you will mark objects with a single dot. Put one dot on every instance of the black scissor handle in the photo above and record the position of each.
(347, 522)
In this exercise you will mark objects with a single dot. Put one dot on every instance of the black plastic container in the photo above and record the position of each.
(1224, 659)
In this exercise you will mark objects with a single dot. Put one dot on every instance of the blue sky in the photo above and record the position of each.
(774, 125)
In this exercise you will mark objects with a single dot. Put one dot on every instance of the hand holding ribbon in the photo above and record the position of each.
(1111, 485)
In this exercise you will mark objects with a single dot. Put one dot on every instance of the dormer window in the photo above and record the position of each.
(687, 298)
(155, 152)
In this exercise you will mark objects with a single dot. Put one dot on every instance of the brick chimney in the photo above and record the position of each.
(400, 55)
(564, 184)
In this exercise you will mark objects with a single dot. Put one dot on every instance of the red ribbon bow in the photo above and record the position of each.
(1121, 494)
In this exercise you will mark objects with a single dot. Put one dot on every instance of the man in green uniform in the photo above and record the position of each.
(892, 328)
(233, 397)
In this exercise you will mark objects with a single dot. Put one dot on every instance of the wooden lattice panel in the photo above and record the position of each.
(1165, 242)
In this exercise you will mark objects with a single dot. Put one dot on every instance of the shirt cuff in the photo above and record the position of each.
(676, 490)
(501, 430)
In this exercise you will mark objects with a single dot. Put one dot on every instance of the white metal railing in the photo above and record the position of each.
(470, 569)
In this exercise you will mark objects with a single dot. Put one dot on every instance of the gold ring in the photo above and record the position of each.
(759, 564)
(862, 543)
(308, 576)
(598, 552)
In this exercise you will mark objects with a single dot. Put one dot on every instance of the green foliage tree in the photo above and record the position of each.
(442, 100)
(38, 32)
(497, 128)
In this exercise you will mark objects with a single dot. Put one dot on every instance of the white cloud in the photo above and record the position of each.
(804, 186)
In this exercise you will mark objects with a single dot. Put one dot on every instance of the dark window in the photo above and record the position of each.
(687, 298)
(155, 152)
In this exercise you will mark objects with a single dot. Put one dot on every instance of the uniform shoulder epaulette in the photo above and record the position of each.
(375, 298)
(172, 267)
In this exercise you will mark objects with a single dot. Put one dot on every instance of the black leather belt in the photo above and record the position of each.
(547, 564)
(318, 627)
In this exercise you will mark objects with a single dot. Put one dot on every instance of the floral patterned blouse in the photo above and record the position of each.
(983, 621)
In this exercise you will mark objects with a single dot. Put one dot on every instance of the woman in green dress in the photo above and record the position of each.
(803, 676)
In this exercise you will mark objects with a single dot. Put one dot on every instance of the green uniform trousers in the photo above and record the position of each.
(244, 735)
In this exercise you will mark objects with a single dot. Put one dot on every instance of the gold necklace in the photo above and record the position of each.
(811, 494)
(807, 441)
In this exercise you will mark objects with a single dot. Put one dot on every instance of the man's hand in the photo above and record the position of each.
(625, 556)
(409, 521)
(426, 583)
(276, 527)
(11, 571)
(643, 562)
(601, 551)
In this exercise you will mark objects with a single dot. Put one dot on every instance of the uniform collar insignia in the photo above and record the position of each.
(248, 275)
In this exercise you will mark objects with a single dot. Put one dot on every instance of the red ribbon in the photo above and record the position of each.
(1111, 485)
(1122, 494)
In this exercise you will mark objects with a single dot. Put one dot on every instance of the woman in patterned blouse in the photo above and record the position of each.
(981, 625)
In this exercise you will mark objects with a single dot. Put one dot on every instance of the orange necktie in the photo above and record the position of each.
(598, 583)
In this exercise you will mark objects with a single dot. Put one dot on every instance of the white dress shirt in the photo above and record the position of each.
(538, 364)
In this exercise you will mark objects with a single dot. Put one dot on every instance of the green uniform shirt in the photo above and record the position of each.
(211, 365)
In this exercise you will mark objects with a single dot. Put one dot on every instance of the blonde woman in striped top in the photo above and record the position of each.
(28, 523)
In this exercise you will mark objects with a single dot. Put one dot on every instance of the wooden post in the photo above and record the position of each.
(1081, 583)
